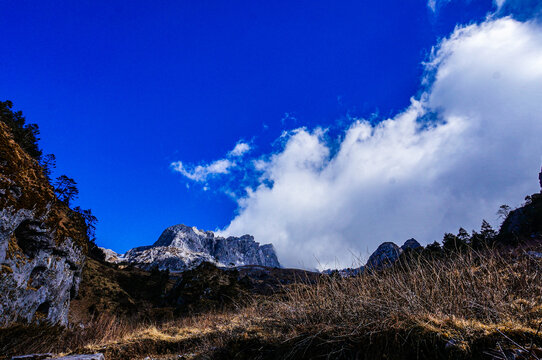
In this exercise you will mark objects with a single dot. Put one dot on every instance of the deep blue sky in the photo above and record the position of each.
(120, 91)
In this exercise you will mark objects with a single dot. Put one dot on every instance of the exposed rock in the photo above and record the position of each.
(42, 242)
(181, 247)
(524, 223)
(386, 254)
(33, 357)
(110, 255)
(411, 244)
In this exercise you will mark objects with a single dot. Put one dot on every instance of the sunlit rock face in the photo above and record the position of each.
(42, 242)
(38, 277)
(181, 247)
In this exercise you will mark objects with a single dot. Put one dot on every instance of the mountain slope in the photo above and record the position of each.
(42, 241)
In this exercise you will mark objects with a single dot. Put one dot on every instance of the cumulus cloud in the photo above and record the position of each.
(469, 143)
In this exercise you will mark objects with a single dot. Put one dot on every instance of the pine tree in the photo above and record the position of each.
(66, 189)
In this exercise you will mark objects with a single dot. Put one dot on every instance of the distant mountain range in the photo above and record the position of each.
(182, 247)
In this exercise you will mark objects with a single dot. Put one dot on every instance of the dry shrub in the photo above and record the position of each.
(472, 298)
(461, 306)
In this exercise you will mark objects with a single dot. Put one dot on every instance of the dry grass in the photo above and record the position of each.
(470, 298)
(464, 306)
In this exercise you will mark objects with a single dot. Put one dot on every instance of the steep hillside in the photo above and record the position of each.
(42, 241)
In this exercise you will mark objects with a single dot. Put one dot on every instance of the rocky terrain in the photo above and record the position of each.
(181, 248)
(42, 242)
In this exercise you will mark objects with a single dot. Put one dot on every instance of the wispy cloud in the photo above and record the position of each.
(435, 5)
(499, 3)
(240, 149)
(202, 172)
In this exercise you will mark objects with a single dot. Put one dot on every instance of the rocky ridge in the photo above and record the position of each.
(181, 248)
(42, 242)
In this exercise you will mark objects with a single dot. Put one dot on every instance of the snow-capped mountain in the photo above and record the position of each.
(181, 247)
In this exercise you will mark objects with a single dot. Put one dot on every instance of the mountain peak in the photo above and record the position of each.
(180, 235)
(181, 247)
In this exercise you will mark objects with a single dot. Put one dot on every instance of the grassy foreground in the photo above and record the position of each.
(470, 305)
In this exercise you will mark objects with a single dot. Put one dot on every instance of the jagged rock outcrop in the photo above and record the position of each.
(181, 247)
(523, 223)
(386, 254)
(42, 242)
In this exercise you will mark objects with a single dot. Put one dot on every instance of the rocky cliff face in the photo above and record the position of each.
(181, 247)
(42, 242)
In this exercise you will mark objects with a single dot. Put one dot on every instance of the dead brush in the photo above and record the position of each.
(472, 302)
(462, 297)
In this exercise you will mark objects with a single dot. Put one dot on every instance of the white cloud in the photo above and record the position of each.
(240, 149)
(434, 5)
(469, 143)
(202, 172)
